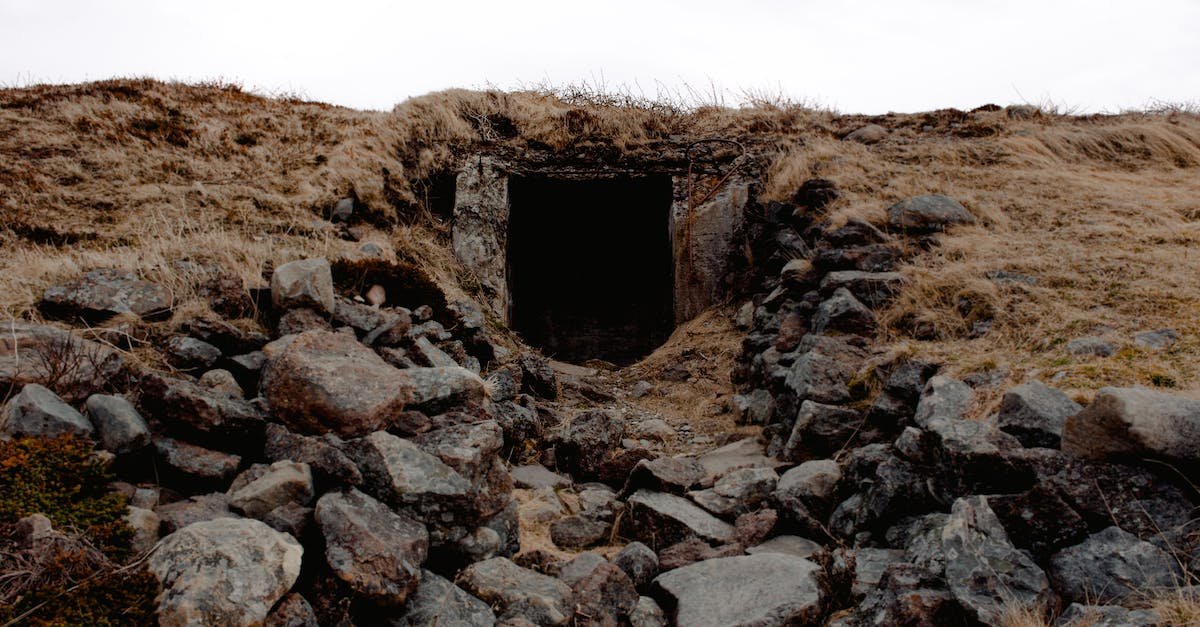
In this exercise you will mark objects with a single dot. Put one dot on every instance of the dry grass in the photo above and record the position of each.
(1103, 211)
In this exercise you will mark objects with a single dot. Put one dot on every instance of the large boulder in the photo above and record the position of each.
(931, 212)
(821, 430)
(762, 589)
(322, 382)
(101, 294)
(38, 412)
(224, 572)
(518, 592)
(1113, 565)
(374, 550)
(307, 283)
(1135, 423)
(1035, 412)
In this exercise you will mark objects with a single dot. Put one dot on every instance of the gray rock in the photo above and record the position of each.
(821, 430)
(145, 524)
(665, 474)
(293, 611)
(1112, 565)
(103, 293)
(1158, 340)
(195, 464)
(537, 476)
(1135, 423)
(537, 377)
(738, 492)
(639, 562)
(214, 418)
(787, 545)
(605, 597)
(580, 567)
(283, 482)
(330, 467)
(35, 353)
(660, 520)
(869, 134)
(874, 289)
(744, 453)
(438, 601)
(437, 389)
(1092, 346)
(424, 353)
(224, 572)
(293, 519)
(402, 475)
(755, 408)
(301, 320)
(844, 313)
(1077, 615)
(504, 383)
(323, 382)
(307, 283)
(823, 370)
(923, 214)
(375, 551)
(813, 481)
(909, 594)
(577, 532)
(647, 613)
(763, 589)
(223, 381)
(1035, 413)
(190, 353)
(516, 591)
(470, 449)
(598, 502)
(38, 412)
(180, 514)
(342, 210)
(985, 571)
(943, 399)
(587, 442)
(869, 566)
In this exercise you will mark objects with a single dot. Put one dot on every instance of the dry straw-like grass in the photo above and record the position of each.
(1103, 212)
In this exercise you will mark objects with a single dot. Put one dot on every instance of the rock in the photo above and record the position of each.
(189, 353)
(924, 214)
(909, 594)
(816, 194)
(536, 476)
(943, 400)
(301, 320)
(744, 453)
(145, 524)
(639, 562)
(581, 566)
(517, 591)
(537, 377)
(1035, 413)
(38, 412)
(180, 514)
(330, 467)
(1157, 340)
(763, 589)
(755, 408)
(424, 353)
(738, 492)
(292, 611)
(577, 532)
(820, 431)
(660, 520)
(587, 442)
(647, 613)
(976, 457)
(438, 601)
(844, 313)
(438, 389)
(869, 566)
(1039, 520)
(641, 389)
(307, 283)
(470, 449)
(226, 572)
(805, 494)
(873, 289)
(665, 474)
(797, 273)
(34, 353)
(1135, 423)
(293, 519)
(222, 381)
(402, 475)
(985, 571)
(504, 384)
(283, 482)
(208, 416)
(1112, 565)
(226, 295)
(823, 370)
(342, 210)
(196, 466)
(787, 545)
(693, 550)
(324, 382)
(247, 368)
(598, 502)
(605, 597)
(520, 421)
(869, 258)
(869, 134)
(101, 294)
(1077, 615)
(1091, 346)
(374, 550)
(655, 429)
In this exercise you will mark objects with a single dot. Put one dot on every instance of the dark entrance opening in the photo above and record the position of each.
(589, 265)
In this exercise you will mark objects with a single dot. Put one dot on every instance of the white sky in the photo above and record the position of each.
(858, 56)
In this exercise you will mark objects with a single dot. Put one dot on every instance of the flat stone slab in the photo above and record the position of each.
(537, 476)
(763, 589)
(787, 545)
(661, 519)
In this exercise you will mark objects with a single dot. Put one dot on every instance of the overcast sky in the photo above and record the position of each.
(857, 56)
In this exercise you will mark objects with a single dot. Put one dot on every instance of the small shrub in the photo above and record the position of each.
(56, 478)
(1160, 380)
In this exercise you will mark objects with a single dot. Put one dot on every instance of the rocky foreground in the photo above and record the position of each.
(355, 467)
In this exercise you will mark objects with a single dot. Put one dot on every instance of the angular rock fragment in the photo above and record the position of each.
(101, 294)
(437, 601)
(307, 283)
(660, 520)
(931, 212)
(1035, 413)
(767, 589)
(519, 592)
(38, 412)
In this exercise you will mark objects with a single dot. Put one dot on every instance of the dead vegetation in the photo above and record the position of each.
(1097, 215)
